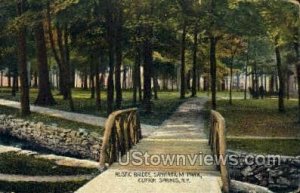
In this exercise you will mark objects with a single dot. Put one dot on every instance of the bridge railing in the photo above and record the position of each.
(217, 141)
(122, 131)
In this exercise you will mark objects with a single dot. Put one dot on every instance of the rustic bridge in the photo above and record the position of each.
(182, 136)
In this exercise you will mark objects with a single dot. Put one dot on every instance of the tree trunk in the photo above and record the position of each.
(1, 79)
(45, 97)
(124, 81)
(148, 62)
(231, 80)
(271, 90)
(119, 59)
(35, 79)
(140, 84)
(287, 86)
(60, 60)
(213, 72)
(281, 106)
(297, 50)
(265, 77)
(276, 83)
(110, 82)
(15, 83)
(111, 54)
(256, 82)
(97, 85)
(22, 61)
(63, 77)
(182, 70)
(155, 84)
(188, 81)
(136, 75)
(246, 74)
(298, 82)
(195, 51)
(63, 43)
(199, 79)
(85, 81)
(213, 61)
(246, 82)
(238, 76)
(9, 78)
(92, 79)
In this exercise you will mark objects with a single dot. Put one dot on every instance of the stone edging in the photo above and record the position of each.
(59, 140)
(281, 177)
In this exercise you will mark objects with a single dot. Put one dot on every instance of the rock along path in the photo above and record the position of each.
(182, 134)
(77, 117)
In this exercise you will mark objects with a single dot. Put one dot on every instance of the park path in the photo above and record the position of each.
(182, 134)
(76, 117)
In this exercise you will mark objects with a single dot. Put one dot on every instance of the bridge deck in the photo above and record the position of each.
(183, 139)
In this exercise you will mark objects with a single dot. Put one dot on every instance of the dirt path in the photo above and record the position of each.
(77, 117)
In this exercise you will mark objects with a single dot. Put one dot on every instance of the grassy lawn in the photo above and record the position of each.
(266, 146)
(35, 117)
(162, 108)
(260, 118)
(13, 163)
(224, 94)
(33, 187)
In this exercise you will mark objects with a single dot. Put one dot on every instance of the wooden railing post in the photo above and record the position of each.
(106, 141)
(217, 141)
(122, 131)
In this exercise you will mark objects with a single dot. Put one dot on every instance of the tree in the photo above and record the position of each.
(148, 62)
(62, 54)
(281, 75)
(97, 85)
(275, 27)
(22, 60)
(185, 7)
(110, 37)
(182, 67)
(44, 97)
(195, 51)
(233, 47)
(119, 53)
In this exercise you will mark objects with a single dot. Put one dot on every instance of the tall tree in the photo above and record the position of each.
(148, 62)
(61, 52)
(110, 29)
(22, 60)
(195, 65)
(213, 60)
(276, 30)
(182, 66)
(281, 75)
(119, 53)
(97, 84)
(44, 97)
